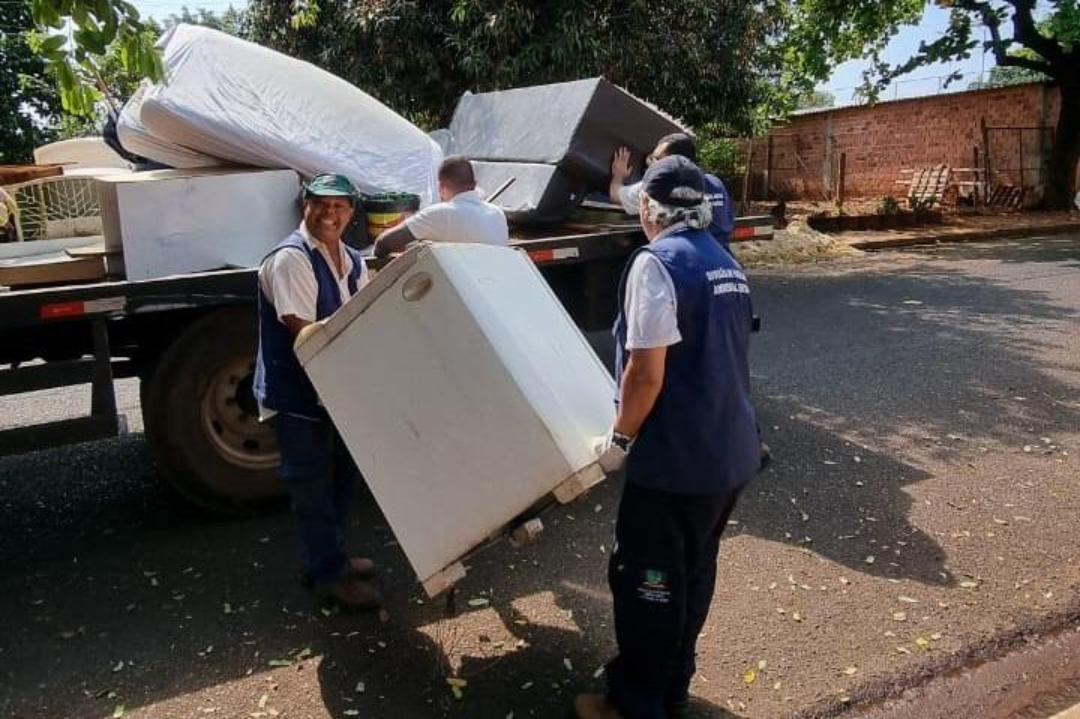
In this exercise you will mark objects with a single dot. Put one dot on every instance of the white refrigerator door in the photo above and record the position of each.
(464, 393)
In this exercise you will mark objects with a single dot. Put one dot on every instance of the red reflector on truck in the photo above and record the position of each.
(62, 309)
(563, 253)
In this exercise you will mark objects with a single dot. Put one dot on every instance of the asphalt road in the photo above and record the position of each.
(924, 409)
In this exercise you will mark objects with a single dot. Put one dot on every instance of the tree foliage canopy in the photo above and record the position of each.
(696, 59)
(95, 26)
(29, 98)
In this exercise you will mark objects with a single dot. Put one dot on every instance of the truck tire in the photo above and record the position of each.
(201, 418)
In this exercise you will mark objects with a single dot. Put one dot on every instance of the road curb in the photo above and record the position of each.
(973, 236)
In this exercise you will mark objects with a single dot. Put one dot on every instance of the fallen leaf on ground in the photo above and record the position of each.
(479, 602)
(870, 559)
(457, 686)
(118, 711)
(851, 671)
(749, 677)
(900, 616)
(922, 642)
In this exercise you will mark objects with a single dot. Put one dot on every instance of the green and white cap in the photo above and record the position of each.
(328, 184)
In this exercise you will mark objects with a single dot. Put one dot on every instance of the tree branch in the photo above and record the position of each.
(1027, 34)
(1026, 63)
(992, 22)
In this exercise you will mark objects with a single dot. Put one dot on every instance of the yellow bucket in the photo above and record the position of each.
(386, 211)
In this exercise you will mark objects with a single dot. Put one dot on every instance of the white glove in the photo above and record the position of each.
(612, 452)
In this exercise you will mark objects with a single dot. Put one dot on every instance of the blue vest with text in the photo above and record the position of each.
(701, 436)
(280, 381)
(723, 210)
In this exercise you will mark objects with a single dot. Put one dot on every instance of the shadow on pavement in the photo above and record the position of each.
(116, 595)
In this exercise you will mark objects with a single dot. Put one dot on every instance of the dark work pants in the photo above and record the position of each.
(662, 574)
(321, 478)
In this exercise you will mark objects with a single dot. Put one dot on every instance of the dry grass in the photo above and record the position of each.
(794, 245)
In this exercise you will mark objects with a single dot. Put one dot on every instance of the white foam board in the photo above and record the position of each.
(170, 222)
(79, 153)
(465, 394)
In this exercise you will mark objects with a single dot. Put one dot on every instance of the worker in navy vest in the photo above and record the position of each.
(682, 145)
(305, 279)
(685, 433)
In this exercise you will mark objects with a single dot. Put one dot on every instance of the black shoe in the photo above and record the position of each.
(677, 708)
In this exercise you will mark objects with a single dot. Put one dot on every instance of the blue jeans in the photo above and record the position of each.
(321, 478)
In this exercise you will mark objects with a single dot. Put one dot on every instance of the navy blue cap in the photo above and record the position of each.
(674, 181)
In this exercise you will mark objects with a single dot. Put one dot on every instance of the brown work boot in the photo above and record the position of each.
(595, 706)
(349, 594)
(361, 568)
(357, 568)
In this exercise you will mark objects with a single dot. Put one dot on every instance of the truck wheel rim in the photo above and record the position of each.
(230, 418)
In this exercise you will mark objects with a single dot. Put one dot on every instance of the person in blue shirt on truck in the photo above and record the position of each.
(682, 145)
(685, 433)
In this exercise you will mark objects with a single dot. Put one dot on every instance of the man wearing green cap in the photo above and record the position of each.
(306, 278)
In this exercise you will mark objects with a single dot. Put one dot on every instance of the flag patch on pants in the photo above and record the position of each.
(654, 587)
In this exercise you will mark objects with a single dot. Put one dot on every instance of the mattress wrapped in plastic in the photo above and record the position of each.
(244, 103)
(135, 138)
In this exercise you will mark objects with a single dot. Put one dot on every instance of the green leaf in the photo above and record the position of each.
(89, 41)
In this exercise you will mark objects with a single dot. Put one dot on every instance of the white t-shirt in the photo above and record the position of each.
(651, 307)
(289, 283)
(630, 196)
(464, 218)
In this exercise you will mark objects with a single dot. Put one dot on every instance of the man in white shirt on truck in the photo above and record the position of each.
(461, 216)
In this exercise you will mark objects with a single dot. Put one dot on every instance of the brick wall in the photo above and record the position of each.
(879, 141)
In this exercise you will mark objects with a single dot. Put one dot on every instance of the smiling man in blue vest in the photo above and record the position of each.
(306, 278)
(685, 433)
